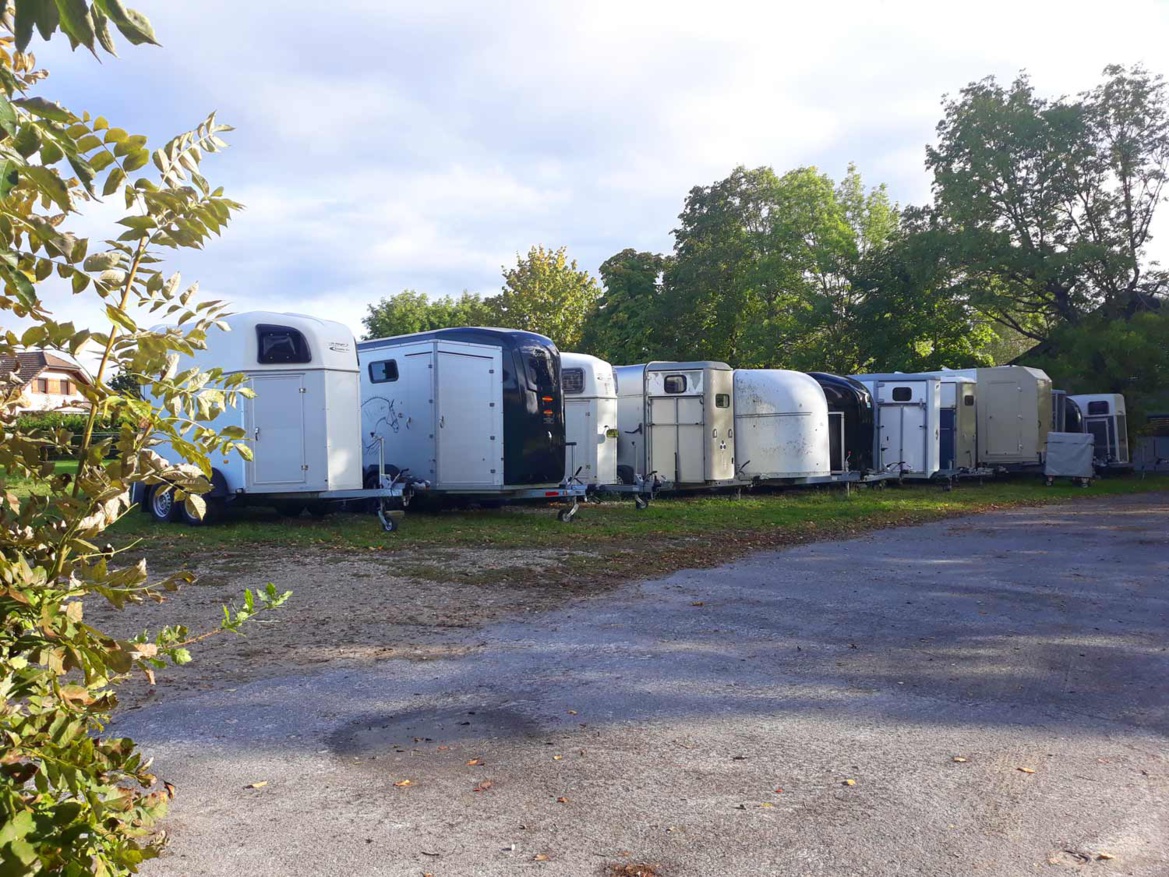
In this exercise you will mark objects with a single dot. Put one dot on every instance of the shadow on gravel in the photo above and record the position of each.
(1055, 620)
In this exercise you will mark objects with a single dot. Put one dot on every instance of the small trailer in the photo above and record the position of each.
(908, 424)
(852, 423)
(676, 423)
(303, 425)
(1069, 455)
(590, 419)
(476, 412)
(1065, 413)
(781, 427)
(1106, 420)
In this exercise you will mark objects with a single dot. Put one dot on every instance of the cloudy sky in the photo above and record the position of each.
(385, 145)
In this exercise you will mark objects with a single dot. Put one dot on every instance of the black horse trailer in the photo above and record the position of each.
(851, 422)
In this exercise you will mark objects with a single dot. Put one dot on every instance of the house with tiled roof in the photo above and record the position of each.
(49, 382)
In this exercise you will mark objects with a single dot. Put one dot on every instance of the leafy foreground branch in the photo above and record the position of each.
(73, 801)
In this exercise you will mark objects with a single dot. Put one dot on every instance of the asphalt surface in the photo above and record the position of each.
(996, 689)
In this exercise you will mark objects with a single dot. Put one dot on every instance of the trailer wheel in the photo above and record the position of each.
(390, 523)
(212, 513)
(565, 516)
(640, 502)
(163, 507)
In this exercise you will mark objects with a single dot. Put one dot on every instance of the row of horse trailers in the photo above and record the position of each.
(498, 415)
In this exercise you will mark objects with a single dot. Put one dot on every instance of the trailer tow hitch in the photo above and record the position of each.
(565, 516)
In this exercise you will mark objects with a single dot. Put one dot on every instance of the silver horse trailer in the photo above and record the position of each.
(781, 427)
(303, 424)
(477, 412)
(1014, 416)
(676, 420)
(590, 419)
(1106, 420)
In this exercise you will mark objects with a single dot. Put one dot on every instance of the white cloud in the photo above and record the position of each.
(390, 145)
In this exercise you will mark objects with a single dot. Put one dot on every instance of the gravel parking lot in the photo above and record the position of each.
(985, 695)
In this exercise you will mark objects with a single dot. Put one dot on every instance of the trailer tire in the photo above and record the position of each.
(565, 516)
(640, 503)
(162, 505)
(211, 514)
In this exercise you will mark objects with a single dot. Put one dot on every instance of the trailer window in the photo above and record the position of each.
(968, 400)
(572, 379)
(383, 372)
(675, 383)
(539, 366)
(902, 394)
(281, 344)
(722, 400)
(1096, 408)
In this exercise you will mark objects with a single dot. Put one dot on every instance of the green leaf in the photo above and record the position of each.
(136, 161)
(45, 109)
(26, 19)
(76, 21)
(7, 115)
(51, 185)
(9, 177)
(99, 161)
(102, 29)
(48, 17)
(113, 181)
(84, 171)
(134, 25)
(20, 285)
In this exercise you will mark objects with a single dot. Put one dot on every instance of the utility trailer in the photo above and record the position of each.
(781, 428)
(476, 412)
(676, 423)
(1014, 416)
(1069, 455)
(908, 424)
(303, 425)
(1106, 420)
(851, 423)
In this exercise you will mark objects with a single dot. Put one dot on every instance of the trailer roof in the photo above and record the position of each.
(473, 334)
(682, 366)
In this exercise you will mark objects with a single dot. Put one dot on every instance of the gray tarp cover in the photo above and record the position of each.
(1069, 455)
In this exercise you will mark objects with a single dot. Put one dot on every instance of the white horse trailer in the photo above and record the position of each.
(590, 419)
(476, 412)
(1106, 420)
(781, 426)
(677, 422)
(303, 425)
(908, 424)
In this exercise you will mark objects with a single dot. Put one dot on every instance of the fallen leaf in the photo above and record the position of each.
(1105, 856)
(767, 804)
(258, 785)
(474, 761)
(401, 784)
(1025, 769)
(779, 791)
(572, 712)
(698, 603)
(539, 857)
(849, 783)
(442, 748)
(557, 757)
(960, 758)
(561, 800)
(483, 786)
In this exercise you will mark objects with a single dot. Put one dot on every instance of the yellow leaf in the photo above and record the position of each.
(850, 782)
(258, 785)
(539, 857)
(960, 758)
(401, 784)
(1025, 769)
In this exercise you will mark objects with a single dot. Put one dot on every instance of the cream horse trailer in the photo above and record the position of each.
(676, 421)
(590, 419)
(303, 425)
(1106, 420)
(781, 426)
(1014, 416)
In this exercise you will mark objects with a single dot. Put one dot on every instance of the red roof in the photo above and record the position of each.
(28, 365)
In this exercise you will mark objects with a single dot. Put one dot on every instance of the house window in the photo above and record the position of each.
(722, 400)
(42, 385)
(67, 388)
(280, 345)
(1097, 408)
(384, 371)
(572, 380)
(675, 383)
(902, 394)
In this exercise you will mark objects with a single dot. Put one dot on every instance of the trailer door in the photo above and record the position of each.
(276, 426)
(677, 442)
(469, 424)
(904, 427)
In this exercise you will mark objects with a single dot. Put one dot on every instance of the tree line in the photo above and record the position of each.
(1035, 243)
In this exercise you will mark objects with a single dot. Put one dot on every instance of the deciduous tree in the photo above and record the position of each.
(547, 293)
